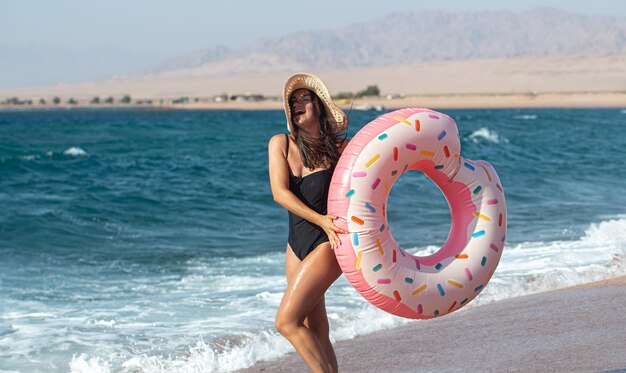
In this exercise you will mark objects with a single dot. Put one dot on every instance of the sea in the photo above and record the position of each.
(148, 241)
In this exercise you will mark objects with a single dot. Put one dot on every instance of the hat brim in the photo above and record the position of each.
(311, 82)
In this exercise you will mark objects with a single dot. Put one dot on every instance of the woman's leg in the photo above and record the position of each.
(304, 292)
(316, 320)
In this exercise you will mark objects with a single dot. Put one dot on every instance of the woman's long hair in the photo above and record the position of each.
(324, 153)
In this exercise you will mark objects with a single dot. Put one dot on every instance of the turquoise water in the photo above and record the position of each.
(149, 239)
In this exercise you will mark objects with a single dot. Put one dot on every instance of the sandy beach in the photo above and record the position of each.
(576, 329)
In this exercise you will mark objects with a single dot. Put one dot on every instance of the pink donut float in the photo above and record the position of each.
(390, 278)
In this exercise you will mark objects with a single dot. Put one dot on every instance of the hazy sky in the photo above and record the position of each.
(48, 42)
(166, 28)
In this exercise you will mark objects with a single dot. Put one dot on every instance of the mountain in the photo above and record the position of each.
(400, 38)
(198, 58)
(394, 39)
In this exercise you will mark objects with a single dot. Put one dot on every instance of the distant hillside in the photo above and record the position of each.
(401, 38)
(198, 58)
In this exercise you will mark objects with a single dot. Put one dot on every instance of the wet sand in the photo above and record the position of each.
(577, 329)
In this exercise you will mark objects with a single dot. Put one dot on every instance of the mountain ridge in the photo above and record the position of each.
(407, 37)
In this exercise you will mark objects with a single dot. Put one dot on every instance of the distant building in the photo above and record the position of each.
(392, 96)
(220, 98)
(247, 97)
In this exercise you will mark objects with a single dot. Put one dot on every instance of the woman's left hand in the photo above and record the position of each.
(326, 223)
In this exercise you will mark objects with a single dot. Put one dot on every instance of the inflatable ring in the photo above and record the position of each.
(390, 278)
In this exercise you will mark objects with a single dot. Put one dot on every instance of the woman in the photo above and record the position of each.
(300, 167)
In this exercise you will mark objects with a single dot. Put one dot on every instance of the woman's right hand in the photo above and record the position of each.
(326, 223)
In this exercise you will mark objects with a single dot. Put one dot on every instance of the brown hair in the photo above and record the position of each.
(316, 154)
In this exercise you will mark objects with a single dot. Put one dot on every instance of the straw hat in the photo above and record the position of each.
(311, 82)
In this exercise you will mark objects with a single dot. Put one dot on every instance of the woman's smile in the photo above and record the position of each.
(299, 111)
(302, 105)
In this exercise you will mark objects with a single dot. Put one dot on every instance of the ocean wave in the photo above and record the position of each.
(484, 134)
(84, 364)
(607, 232)
(525, 117)
(75, 151)
(224, 355)
(235, 352)
(533, 267)
(30, 157)
(525, 268)
(18, 315)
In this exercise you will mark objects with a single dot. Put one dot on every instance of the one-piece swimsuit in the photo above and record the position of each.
(312, 190)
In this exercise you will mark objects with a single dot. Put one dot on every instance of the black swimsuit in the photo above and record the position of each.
(311, 189)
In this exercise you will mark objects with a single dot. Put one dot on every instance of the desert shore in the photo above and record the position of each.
(576, 329)
(566, 81)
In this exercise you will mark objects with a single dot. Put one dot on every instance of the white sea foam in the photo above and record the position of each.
(525, 117)
(19, 315)
(484, 134)
(525, 268)
(75, 152)
(108, 323)
(30, 157)
(533, 267)
(83, 364)
(203, 358)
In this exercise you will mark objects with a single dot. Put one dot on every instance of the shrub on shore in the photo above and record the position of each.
(181, 100)
(16, 101)
(371, 90)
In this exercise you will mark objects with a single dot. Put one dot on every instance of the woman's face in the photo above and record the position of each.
(303, 109)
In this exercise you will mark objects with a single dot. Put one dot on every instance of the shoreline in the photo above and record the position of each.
(437, 101)
(573, 329)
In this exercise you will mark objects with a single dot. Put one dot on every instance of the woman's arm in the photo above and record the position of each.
(279, 182)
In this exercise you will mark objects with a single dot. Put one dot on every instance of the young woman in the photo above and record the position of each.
(300, 167)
